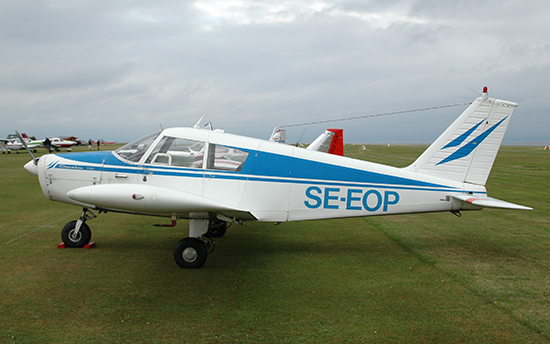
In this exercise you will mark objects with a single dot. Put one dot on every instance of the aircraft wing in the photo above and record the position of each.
(155, 200)
(489, 202)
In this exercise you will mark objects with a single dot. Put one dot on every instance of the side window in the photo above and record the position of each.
(173, 151)
(225, 158)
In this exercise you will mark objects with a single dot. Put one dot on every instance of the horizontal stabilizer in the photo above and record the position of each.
(489, 202)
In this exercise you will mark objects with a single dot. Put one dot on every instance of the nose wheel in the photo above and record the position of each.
(73, 238)
(77, 233)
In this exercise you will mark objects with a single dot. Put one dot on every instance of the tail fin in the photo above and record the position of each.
(331, 141)
(278, 135)
(337, 143)
(466, 151)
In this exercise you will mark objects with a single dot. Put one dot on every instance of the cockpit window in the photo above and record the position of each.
(171, 151)
(225, 158)
(133, 151)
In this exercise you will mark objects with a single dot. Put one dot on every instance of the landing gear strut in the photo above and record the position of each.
(77, 233)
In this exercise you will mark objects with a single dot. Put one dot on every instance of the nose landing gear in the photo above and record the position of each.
(77, 233)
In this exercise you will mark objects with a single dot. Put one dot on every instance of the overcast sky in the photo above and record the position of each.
(118, 70)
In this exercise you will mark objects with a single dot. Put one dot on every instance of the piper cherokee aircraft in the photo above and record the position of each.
(214, 178)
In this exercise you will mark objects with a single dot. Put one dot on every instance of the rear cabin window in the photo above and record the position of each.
(225, 158)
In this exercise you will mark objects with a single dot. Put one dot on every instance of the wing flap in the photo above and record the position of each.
(489, 202)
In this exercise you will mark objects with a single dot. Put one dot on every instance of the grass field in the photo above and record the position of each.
(428, 278)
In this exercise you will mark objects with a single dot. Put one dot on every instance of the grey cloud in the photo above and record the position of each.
(116, 69)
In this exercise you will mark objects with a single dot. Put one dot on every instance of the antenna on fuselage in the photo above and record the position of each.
(478, 94)
(300, 139)
(198, 124)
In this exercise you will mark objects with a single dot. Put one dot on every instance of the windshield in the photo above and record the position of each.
(133, 151)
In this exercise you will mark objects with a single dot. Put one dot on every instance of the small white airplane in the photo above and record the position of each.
(9, 145)
(58, 143)
(14, 143)
(214, 178)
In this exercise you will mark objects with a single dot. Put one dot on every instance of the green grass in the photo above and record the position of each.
(427, 278)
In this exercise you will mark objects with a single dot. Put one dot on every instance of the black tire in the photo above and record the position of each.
(190, 253)
(216, 229)
(82, 238)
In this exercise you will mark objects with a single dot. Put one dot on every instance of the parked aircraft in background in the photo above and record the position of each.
(103, 142)
(9, 145)
(214, 178)
(58, 143)
(331, 141)
(278, 135)
(14, 143)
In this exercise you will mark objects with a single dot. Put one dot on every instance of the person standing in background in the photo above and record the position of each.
(48, 145)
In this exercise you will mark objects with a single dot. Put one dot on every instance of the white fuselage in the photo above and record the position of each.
(60, 143)
(273, 182)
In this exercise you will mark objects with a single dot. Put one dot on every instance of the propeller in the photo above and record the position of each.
(34, 159)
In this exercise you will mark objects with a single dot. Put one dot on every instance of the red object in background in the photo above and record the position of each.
(337, 143)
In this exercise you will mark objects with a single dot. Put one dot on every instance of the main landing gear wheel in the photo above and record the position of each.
(190, 253)
(72, 239)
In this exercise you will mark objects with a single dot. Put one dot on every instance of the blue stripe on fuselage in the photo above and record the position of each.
(267, 167)
(90, 157)
(273, 165)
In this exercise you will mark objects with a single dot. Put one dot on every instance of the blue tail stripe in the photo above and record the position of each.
(468, 148)
(458, 141)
